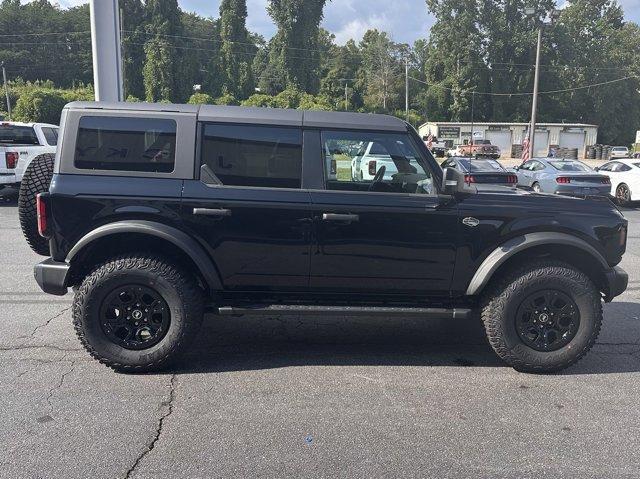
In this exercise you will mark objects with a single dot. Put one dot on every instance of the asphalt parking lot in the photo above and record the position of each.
(310, 398)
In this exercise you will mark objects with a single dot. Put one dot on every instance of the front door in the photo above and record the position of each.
(249, 209)
(391, 235)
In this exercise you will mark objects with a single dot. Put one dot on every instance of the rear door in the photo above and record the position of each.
(248, 207)
(392, 236)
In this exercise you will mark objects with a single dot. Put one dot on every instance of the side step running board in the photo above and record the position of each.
(282, 310)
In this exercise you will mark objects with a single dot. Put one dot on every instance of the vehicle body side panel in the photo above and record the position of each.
(503, 217)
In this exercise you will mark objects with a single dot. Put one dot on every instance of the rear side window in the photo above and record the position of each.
(247, 155)
(126, 144)
(17, 135)
(51, 135)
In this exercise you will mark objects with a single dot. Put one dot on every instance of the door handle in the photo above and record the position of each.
(218, 212)
(339, 217)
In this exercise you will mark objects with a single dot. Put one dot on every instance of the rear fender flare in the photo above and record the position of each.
(168, 233)
(505, 251)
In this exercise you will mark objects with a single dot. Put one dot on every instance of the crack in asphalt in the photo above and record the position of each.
(46, 323)
(169, 409)
(60, 383)
(20, 347)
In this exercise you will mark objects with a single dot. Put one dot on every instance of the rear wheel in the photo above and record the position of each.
(543, 317)
(536, 187)
(623, 194)
(36, 179)
(137, 313)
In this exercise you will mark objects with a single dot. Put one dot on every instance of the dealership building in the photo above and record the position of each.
(505, 135)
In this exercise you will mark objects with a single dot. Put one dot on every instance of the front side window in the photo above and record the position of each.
(51, 135)
(126, 144)
(248, 155)
(377, 162)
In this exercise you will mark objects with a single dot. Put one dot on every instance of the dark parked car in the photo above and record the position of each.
(484, 173)
(563, 177)
(158, 212)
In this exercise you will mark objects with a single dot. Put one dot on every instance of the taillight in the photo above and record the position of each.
(469, 179)
(563, 180)
(606, 180)
(373, 167)
(41, 211)
(12, 159)
(334, 167)
(512, 179)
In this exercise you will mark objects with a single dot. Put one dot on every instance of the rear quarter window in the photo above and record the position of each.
(50, 135)
(126, 144)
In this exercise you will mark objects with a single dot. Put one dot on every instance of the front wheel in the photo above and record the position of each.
(543, 317)
(137, 313)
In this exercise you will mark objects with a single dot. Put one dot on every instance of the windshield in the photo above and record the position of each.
(18, 135)
(480, 165)
(569, 166)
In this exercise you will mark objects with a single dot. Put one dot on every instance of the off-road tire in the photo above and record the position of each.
(36, 179)
(178, 288)
(500, 304)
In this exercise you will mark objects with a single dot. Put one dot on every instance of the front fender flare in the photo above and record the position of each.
(168, 233)
(515, 245)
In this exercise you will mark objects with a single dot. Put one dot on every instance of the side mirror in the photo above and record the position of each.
(517, 168)
(453, 183)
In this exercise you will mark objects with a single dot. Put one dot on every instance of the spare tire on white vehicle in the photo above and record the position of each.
(36, 179)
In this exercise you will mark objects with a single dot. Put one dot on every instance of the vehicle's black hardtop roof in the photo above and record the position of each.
(266, 116)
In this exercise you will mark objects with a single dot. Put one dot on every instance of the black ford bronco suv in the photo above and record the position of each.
(156, 213)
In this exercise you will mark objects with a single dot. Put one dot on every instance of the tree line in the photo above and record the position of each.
(476, 61)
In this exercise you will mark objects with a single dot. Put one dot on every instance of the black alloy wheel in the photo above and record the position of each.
(135, 316)
(547, 320)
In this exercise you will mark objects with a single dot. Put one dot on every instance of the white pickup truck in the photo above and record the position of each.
(19, 144)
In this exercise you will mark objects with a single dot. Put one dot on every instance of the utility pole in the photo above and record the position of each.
(6, 90)
(473, 107)
(406, 85)
(534, 103)
(105, 49)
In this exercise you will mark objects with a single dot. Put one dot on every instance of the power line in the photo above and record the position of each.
(548, 92)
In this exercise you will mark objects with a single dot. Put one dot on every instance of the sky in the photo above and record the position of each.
(405, 20)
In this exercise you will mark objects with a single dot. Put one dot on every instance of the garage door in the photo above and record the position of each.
(502, 139)
(572, 139)
(541, 144)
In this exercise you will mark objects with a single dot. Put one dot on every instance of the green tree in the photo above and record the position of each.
(133, 39)
(40, 105)
(382, 64)
(293, 51)
(237, 51)
(162, 65)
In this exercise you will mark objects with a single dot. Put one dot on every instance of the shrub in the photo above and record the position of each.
(201, 99)
(40, 105)
(226, 99)
(260, 100)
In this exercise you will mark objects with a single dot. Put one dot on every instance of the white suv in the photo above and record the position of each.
(19, 144)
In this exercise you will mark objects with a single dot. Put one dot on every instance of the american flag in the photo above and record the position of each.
(430, 140)
(525, 148)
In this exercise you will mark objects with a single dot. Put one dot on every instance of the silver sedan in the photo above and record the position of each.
(562, 177)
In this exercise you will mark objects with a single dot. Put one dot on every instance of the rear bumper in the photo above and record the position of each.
(51, 276)
(617, 280)
(7, 178)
